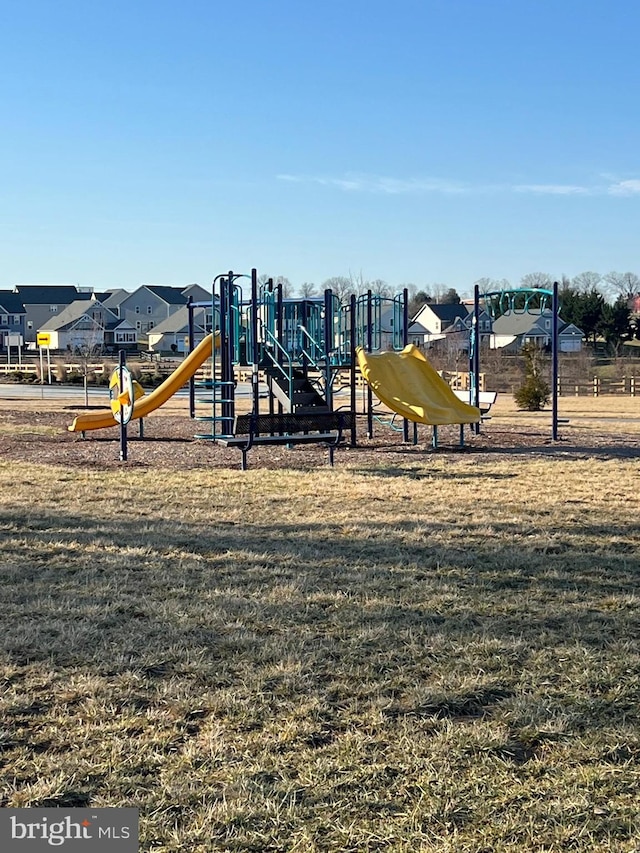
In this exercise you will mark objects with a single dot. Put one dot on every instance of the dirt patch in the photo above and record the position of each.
(36, 431)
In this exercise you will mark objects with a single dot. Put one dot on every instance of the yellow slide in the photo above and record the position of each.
(160, 395)
(409, 385)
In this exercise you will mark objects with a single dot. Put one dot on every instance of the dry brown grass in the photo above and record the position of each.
(409, 652)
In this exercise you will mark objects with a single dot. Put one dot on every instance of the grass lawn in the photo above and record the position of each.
(438, 653)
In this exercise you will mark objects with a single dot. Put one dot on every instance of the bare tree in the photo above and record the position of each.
(585, 282)
(412, 290)
(490, 285)
(341, 286)
(437, 291)
(536, 280)
(380, 288)
(90, 345)
(287, 287)
(308, 289)
(625, 284)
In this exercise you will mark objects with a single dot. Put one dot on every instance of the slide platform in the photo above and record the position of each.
(408, 384)
(152, 401)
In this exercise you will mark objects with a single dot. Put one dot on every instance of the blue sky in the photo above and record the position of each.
(414, 141)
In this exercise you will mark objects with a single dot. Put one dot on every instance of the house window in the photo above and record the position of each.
(149, 309)
(30, 325)
(151, 325)
(15, 320)
(138, 325)
(547, 324)
(137, 309)
(4, 319)
(125, 338)
(53, 309)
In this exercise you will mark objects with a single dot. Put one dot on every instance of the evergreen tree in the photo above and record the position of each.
(589, 312)
(534, 393)
(615, 323)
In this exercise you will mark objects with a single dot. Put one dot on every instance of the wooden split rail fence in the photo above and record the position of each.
(595, 387)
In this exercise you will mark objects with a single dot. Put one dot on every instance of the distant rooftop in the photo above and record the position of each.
(11, 302)
(40, 294)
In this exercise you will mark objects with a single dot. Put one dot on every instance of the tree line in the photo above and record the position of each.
(343, 287)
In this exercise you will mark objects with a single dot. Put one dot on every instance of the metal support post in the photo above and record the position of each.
(554, 363)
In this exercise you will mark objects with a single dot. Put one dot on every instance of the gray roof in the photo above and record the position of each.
(45, 294)
(520, 323)
(448, 311)
(416, 328)
(170, 295)
(527, 323)
(178, 322)
(11, 302)
(114, 298)
(75, 311)
(198, 294)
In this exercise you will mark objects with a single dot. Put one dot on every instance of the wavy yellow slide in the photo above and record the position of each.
(406, 383)
(160, 395)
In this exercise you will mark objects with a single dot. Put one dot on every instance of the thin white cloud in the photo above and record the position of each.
(552, 189)
(624, 188)
(380, 184)
(384, 185)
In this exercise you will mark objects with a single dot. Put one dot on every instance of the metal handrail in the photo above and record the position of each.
(288, 375)
(314, 342)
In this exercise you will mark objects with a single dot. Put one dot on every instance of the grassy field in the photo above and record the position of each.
(438, 653)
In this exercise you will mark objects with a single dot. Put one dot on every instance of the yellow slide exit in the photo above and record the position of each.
(406, 383)
(152, 401)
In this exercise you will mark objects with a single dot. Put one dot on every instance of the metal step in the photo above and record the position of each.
(305, 395)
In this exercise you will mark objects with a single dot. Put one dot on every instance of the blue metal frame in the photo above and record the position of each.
(474, 338)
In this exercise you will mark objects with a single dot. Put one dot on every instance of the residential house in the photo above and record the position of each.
(633, 304)
(389, 323)
(172, 334)
(197, 293)
(12, 317)
(513, 330)
(151, 304)
(458, 333)
(449, 324)
(88, 326)
(113, 299)
(44, 301)
(438, 317)
(416, 333)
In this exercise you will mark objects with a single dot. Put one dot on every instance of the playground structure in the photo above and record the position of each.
(305, 351)
(516, 300)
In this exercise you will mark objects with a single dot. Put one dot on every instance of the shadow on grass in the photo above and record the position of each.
(243, 650)
(77, 592)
